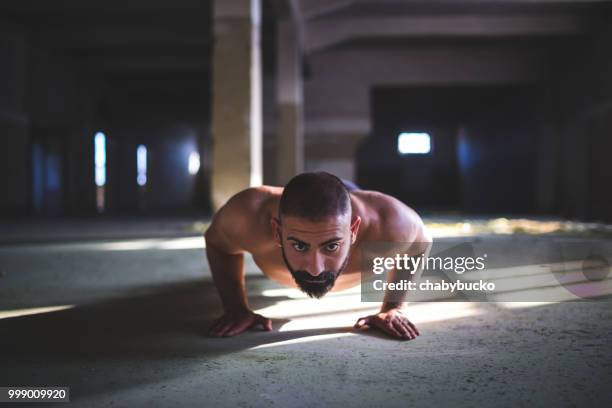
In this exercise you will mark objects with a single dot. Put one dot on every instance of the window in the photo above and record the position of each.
(141, 165)
(414, 143)
(100, 159)
(100, 169)
(194, 163)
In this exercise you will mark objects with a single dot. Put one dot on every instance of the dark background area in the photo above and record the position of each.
(536, 144)
(483, 147)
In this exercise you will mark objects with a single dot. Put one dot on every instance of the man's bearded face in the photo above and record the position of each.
(315, 287)
(316, 253)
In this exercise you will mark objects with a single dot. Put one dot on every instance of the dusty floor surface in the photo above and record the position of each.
(123, 323)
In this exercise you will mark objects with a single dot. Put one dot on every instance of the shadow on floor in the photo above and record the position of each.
(149, 338)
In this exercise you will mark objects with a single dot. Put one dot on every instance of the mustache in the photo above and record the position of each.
(323, 277)
(315, 287)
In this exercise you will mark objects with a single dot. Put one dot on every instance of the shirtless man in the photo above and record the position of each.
(306, 235)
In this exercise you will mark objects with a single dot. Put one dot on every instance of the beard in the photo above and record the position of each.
(315, 287)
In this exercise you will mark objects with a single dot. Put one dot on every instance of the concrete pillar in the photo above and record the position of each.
(290, 142)
(236, 99)
(14, 124)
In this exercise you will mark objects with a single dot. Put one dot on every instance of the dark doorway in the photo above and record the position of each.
(483, 147)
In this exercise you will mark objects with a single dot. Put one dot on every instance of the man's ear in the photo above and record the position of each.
(276, 227)
(355, 223)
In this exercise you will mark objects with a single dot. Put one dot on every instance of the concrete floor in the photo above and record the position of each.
(123, 324)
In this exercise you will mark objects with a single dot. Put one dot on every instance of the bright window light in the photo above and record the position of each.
(141, 165)
(100, 158)
(194, 163)
(414, 143)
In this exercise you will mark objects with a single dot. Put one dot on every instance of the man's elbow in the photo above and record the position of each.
(217, 243)
(427, 237)
(423, 241)
(211, 238)
(207, 235)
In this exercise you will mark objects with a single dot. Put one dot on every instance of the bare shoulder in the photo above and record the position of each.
(242, 220)
(391, 219)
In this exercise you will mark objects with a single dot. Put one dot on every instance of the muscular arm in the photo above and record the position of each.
(226, 243)
(228, 274)
(403, 226)
(419, 248)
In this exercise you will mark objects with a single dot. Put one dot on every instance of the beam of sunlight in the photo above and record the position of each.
(283, 292)
(343, 312)
(541, 286)
(5, 314)
(552, 282)
(327, 321)
(418, 313)
(577, 291)
(149, 244)
(307, 307)
(299, 340)
(183, 243)
(523, 270)
(440, 311)
(523, 305)
(294, 293)
(196, 242)
(507, 226)
(441, 230)
(536, 284)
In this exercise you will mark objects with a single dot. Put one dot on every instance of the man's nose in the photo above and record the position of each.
(317, 265)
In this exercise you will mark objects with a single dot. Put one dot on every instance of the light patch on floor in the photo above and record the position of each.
(307, 339)
(297, 294)
(161, 244)
(124, 245)
(343, 311)
(5, 314)
(523, 305)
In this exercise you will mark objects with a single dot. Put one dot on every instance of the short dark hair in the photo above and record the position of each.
(314, 196)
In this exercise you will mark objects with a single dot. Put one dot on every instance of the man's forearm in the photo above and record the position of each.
(228, 274)
(393, 299)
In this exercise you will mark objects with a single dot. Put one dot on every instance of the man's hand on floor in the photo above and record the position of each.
(392, 322)
(235, 322)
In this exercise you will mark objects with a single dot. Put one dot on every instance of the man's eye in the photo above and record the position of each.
(299, 247)
(332, 247)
